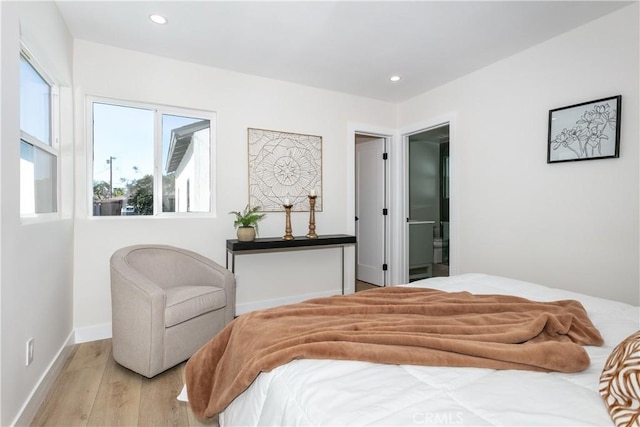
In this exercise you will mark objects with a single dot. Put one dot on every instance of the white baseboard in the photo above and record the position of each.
(259, 305)
(93, 333)
(103, 331)
(39, 393)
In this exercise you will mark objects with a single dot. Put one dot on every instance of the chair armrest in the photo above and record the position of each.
(135, 300)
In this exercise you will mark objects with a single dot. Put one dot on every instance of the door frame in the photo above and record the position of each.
(390, 136)
(402, 190)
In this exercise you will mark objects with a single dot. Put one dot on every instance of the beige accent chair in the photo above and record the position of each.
(166, 302)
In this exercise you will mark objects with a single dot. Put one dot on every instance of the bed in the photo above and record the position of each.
(357, 393)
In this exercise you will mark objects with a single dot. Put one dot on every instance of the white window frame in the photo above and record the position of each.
(159, 111)
(54, 147)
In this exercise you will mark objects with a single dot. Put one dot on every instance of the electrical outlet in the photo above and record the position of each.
(29, 354)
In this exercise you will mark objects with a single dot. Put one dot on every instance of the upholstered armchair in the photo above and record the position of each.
(166, 302)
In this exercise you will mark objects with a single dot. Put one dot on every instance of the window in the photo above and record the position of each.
(38, 145)
(150, 160)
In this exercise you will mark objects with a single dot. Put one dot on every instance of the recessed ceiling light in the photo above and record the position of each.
(394, 78)
(158, 19)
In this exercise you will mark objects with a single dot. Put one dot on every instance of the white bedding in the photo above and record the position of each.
(351, 393)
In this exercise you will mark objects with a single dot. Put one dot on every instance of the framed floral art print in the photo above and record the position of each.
(586, 131)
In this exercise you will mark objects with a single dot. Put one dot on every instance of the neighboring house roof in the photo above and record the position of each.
(180, 139)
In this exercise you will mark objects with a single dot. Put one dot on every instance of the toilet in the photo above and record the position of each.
(439, 246)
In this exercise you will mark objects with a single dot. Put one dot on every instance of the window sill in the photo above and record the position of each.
(164, 216)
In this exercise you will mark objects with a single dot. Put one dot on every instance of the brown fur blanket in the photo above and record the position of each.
(396, 325)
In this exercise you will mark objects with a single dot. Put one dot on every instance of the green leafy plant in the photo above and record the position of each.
(248, 218)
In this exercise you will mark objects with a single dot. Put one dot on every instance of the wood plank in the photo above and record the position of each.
(159, 405)
(44, 411)
(118, 398)
(69, 403)
(92, 354)
(93, 390)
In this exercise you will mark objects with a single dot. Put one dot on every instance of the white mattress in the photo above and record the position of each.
(351, 393)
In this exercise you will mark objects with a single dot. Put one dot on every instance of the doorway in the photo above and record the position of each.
(428, 203)
(371, 219)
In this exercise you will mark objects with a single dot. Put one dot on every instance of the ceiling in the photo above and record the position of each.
(346, 46)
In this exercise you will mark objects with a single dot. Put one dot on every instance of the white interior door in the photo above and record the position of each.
(370, 202)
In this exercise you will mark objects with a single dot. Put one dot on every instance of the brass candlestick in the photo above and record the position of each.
(287, 225)
(312, 218)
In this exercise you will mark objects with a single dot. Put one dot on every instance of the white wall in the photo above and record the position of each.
(240, 101)
(194, 169)
(569, 225)
(36, 257)
(572, 225)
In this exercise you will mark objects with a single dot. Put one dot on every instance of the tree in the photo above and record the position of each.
(101, 190)
(141, 195)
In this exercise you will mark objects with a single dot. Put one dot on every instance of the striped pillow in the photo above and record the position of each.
(620, 382)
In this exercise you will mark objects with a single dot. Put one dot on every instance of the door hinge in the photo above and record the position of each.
(385, 156)
(384, 267)
(385, 211)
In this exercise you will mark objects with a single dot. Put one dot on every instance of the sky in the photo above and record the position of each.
(126, 134)
(34, 107)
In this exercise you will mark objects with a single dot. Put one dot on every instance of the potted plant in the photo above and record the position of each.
(247, 223)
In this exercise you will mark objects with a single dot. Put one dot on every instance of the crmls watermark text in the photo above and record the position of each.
(438, 418)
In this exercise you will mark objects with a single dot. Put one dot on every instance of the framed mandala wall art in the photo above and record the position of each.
(284, 167)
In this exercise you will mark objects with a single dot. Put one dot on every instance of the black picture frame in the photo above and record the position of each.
(586, 131)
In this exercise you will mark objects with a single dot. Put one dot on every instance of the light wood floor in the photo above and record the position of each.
(363, 286)
(93, 390)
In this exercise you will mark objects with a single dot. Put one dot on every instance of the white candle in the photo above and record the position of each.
(312, 192)
(286, 202)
